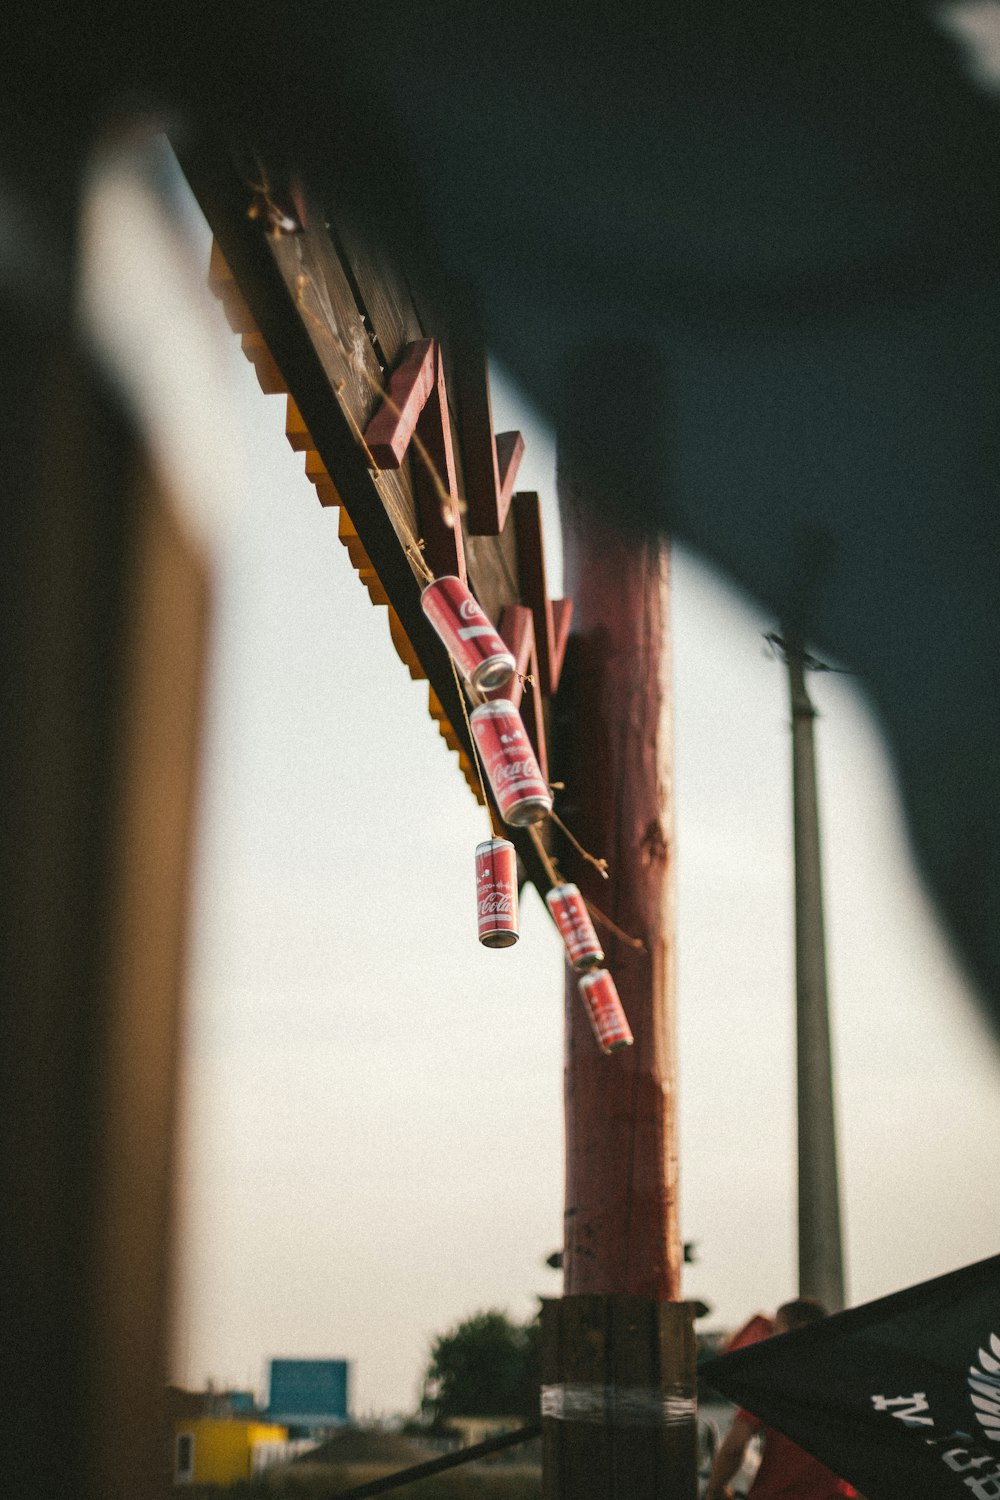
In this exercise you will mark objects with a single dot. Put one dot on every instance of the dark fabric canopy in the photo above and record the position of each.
(743, 257)
(900, 1397)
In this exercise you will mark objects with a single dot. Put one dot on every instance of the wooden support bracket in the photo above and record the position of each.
(552, 617)
(410, 386)
(517, 630)
(440, 518)
(562, 619)
(510, 451)
(491, 463)
(417, 405)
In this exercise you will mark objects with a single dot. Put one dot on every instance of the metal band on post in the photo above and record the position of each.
(618, 1406)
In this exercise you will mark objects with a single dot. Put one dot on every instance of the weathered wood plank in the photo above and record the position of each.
(551, 1379)
(471, 390)
(296, 430)
(492, 565)
(534, 585)
(325, 303)
(550, 638)
(383, 290)
(586, 1458)
(634, 1376)
(307, 309)
(677, 1357)
(562, 619)
(618, 1403)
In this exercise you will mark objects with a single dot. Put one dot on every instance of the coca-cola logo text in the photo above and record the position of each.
(516, 770)
(468, 609)
(495, 905)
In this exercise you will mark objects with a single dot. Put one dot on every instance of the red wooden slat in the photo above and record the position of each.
(562, 618)
(471, 388)
(534, 589)
(510, 451)
(517, 630)
(440, 522)
(410, 386)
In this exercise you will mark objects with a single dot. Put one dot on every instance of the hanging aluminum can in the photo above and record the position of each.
(521, 791)
(496, 893)
(480, 655)
(604, 1008)
(570, 914)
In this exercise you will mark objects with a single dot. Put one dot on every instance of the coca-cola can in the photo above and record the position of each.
(604, 1008)
(496, 893)
(570, 914)
(521, 791)
(479, 653)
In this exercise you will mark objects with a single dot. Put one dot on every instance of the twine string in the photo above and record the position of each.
(452, 506)
(548, 864)
(603, 920)
(412, 546)
(494, 833)
(600, 865)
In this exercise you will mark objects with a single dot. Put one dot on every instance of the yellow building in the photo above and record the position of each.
(473, 1430)
(220, 1450)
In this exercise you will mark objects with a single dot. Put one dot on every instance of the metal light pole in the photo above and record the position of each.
(821, 1265)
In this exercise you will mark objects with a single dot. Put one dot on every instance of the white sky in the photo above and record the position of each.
(372, 1142)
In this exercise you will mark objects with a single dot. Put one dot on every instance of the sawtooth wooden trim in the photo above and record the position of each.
(238, 315)
(336, 319)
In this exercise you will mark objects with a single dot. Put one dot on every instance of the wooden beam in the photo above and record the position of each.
(550, 640)
(436, 483)
(102, 658)
(562, 619)
(318, 317)
(470, 376)
(383, 292)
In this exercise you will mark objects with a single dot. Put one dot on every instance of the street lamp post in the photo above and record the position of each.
(821, 1263)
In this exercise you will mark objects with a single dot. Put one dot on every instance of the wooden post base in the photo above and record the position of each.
(618, 1399)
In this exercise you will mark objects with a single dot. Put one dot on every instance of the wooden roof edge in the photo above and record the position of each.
(261, 306)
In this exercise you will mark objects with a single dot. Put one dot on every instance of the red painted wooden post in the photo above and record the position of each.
(621, 1189)
(622, 1247)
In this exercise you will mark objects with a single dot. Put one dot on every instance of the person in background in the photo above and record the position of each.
(786, 1471)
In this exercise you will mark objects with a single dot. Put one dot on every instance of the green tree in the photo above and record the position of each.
(487, 1366)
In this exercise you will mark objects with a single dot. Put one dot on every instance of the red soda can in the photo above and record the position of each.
(496, 893)
(570, 914)
(480, 655)
(604, 1008)
(521, 791)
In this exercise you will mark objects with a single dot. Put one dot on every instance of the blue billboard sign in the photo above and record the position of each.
(308, 1392)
